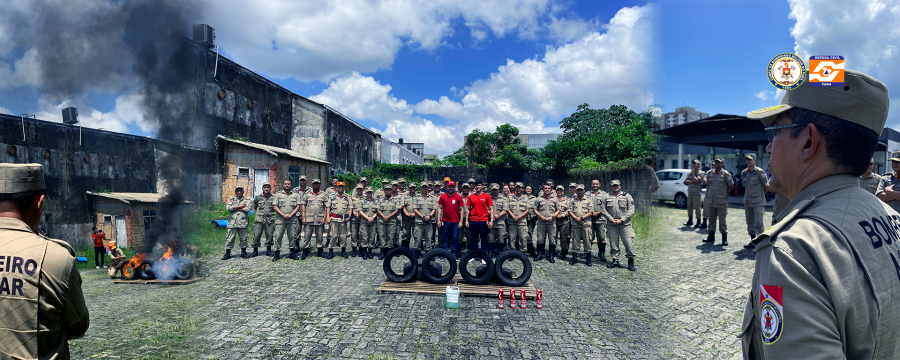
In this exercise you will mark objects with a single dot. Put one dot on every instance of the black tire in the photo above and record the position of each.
(505, 277)
(129, 272)
(185, 270)
(681, 200)
(145, 270)
(432, 272)
(407, 275)
(475, 279)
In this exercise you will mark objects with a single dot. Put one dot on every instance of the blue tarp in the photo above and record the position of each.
(219, 224)
(81, 259)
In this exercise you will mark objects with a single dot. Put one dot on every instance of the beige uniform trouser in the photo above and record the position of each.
(229, 238)
(422, 234)
(717, 213)
(706, 206)
(338, 235)
(693, 206)
(581, 237)
(285, 230)
(598, 231)
(462, 236)
(354, 234)
(545, 230)
(387, 233)
(497, 233)
(563, 231)
(367, 233)
(307, 238)
(754, 216)
(263, 226)
(518, 234)
(624, 232)
(407, 229)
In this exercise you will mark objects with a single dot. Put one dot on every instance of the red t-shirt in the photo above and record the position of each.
(450, 206)
(479, 204)
(98, 240)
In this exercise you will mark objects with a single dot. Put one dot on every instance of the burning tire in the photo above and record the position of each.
(129, 271)
(145, 270)
(433, 264)
(394, 260)
(184, 271)
(470, 263)
(515, 268)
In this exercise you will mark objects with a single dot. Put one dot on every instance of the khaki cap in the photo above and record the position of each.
(302, 178)
(520, 184)
(368, 189)
(471, 180)
(572, 185)
(495, 186)
(401, 180)
(863, 100)
(560, 187)
(266, 184)
(359, 186)
(750, 156)
(386, 186)
(579, 187)
(696, 161)
(316, 181)
(464, 185)
(615, 182)
(239, 187)
(19, 178)
(719, 159)
(385, 181)
(411, 185)
(394, 183)
(424, 184)
(895, 156)
(363, 179)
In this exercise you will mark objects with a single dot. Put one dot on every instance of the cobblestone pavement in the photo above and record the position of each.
(684, 301)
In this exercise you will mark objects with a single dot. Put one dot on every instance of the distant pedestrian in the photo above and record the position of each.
(99, 249)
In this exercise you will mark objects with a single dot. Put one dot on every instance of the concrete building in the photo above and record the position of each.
(416, 148)
(537, 141)
(395, 153)
(251, 165)
(681, 115)
(125, 217)
(428, 159)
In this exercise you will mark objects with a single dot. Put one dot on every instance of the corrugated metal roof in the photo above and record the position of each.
(136, 197)
(274, 151)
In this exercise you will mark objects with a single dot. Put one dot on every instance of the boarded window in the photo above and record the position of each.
(244, 172)
(149, 218)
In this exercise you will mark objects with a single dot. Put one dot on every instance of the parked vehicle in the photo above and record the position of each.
(672, 186)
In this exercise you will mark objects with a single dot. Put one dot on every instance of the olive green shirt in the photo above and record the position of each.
(717, 187)
(696, 188)
(888, 180)
(547, 207)
(263, 206)
(580, 208)
(754, 187)
(870, 183)
(618, 207)
(286, 203)
(518, 206)
(314, 205)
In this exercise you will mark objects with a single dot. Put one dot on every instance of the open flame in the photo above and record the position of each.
(172, 264)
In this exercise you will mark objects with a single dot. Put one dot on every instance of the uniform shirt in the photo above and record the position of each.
(387, 206)
(581, 208)
(114, 253)
(424, 206)
(870, 183)
(826, 282)
(286, 203)
(331, 191)
(696, 188)
(780, 203)
(379, 194)
(301, 192)
(369, 208)
(754, 191)
(434, 204)
(41, 295)
(315, 207)
(563, 203)
(717, 187)
(237, 219)
(888, 180)
(263, 206)
(518, 205)
(340, 206)
(531, 216)
(408, 202)
(546, 207)
(619, 207)
(501, 203)
(355, 206)
(599, 198)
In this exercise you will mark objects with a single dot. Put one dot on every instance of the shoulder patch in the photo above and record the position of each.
(771, 319)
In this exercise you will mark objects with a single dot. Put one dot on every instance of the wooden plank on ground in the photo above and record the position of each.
(165, 282)
(488, 290)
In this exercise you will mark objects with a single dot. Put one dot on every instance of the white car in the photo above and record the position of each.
(672, 186)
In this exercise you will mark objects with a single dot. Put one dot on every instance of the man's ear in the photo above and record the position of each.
(812, 142)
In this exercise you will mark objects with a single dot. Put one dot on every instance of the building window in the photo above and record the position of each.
(294, 174)
(149, 218)
(243, 172)
(107, 219)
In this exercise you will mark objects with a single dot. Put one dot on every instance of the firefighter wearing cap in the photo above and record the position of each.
(754, 180)
(868, 180)
(618, 207)
(531, 218)
(501, 213)
(889, 181)
(287, 206)
(40, 297)
(238, 207)
(581, 208)
(116, 259)
(517, 221)
(563, 226)
(695, 190)
(339, 206)
(379, 194)
(315, 213)
(265, 219)
(388, 214)
(367, 212)
(598, 227)
(825, 283)
(408, 220)
(424, 211)
(331, 190)
(718, 183)
(545, 208)
(356, 202)
(301, 188)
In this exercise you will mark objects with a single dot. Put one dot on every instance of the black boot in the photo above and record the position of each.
(701, 226)
(319, 252)
(344, 253)
(331, 254)
(564, 253)
(244, 253)
(689, 222)
(631, 264)
(382, 254)
(304, 254)
(750, 244)
(529, 249)
(711, 237)
(587, 259)
(227, 254)
(540, 253)
(354, 253)
(255, 252)
(724, 239)
(276, 256)
(269, 251)
(293, 254)
(551, 254)
(580, 256)
(366, 253)
(602, 252)
(574, 259)
(613, 264)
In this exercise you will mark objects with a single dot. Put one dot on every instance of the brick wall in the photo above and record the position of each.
(239, 156)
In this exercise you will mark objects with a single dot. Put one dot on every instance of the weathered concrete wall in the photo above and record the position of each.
(394, 153)
(350, 148)
(308, 128)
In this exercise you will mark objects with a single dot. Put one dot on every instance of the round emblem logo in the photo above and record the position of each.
(786, 71)
(770, 322)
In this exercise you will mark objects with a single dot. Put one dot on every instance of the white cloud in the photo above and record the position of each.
(4, 110)
(868, 37)
(566, 30)
(601, 69)
(128, 110)
(764, 95)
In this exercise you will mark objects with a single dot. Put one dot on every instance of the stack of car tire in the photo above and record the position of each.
(483, 271)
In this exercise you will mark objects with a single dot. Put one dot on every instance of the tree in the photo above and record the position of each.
(500, 149)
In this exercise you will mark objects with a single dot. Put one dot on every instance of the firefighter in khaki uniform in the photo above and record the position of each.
(825, 283)
(517, 221)
(465, 191)
(424, 211)
(265, 219)
(355, 201)
(366, 211)
(598, 226)
(868, 180)
(545, 209)
(408, 224)
(695, 190)
(315, 213)
(501, 212)
(581, 208)
(238, 207)
(886, 191)
(41, 299)
(379, 194)
(388, 214)
(618, 209)
(755, 180)
(287, 206)
(718, 184)
(563, 226)
(339, 207)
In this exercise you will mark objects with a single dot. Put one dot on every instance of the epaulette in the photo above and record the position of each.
(64, 244)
